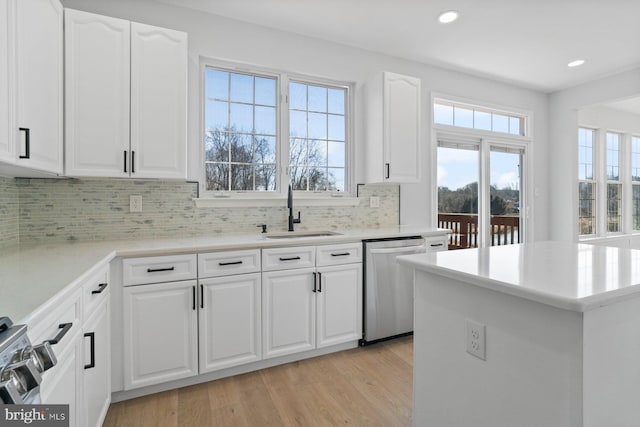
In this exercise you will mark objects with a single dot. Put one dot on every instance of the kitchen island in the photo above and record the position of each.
(561, 345)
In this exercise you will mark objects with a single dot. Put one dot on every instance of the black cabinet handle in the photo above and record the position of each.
(27, 143)
(133, 161)
(230, 263)
(193, 294)
(156, 270)
(319, 282)
(342, 254)
(125, 161)
(435, 245)
(101, 287)
(64, 328)
(201, 296)
(92, 337)
(290, 259)
(388, 170)
(314, 281)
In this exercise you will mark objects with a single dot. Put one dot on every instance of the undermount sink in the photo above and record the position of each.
(300, 234)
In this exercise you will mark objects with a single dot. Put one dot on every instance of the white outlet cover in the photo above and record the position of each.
(476, 339)
(135, 203)
(374, 202)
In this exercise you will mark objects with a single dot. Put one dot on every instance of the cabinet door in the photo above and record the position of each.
(288, 312)
(230, 321)
(62, 384)
(160, 333)
(97, 94)
(6, 142)
(401, 122)
(339, 304)
(158, 102)
(97, 366)
(38, 99)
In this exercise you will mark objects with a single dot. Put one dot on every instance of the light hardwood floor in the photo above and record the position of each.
(369, 386)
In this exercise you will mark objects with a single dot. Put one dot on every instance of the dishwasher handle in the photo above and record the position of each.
(400, 250)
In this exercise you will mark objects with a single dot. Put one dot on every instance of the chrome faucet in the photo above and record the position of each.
(292, 220)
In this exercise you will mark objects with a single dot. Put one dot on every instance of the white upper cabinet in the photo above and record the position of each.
(97, 94)
(126, 87)
(158, 102)
(394, 122)
(31, 86)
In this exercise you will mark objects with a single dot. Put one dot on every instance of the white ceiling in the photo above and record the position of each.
(526, 42)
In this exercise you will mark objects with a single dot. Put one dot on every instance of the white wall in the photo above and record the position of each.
(221, 38)
(563, 138)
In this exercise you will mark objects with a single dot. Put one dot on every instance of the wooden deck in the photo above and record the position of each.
(464, 229)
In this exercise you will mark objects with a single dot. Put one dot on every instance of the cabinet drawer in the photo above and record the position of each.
(339, 254)
(227, 263)
(137, 271)
(60, 321)
(437, 243)
(94, 290)
(287, 258)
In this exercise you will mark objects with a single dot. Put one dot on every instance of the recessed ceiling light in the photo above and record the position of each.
(576, 63)
(448, 17)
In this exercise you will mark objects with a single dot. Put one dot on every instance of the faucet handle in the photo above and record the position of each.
(297, 220)
(264, 227)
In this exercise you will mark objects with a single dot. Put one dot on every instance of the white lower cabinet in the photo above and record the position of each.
(160, 333)
(308, 308)
(288, 311)
(97, 365)
(230, 324)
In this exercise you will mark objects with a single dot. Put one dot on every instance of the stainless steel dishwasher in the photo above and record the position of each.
(388, 289)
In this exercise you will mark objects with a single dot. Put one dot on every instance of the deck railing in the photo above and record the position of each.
(505, 229)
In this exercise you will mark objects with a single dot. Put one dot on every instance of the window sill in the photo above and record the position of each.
(237, 202)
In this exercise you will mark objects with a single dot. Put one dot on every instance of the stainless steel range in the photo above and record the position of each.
(21, 364)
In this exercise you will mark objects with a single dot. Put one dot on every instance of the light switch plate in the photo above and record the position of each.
(374, 202)
(135, 203)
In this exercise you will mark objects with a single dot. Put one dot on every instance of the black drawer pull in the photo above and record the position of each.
(92, 336)
(201, 296)
(294, 258)
(101, 287)
(319, 282)
(193, 293)
(342, 254)
(64, 328)
(315, 282)
(27, 144)
(125, 161)
(388, 170)
(230, 263)
(436, 245)
(156, 270)
(133, 161)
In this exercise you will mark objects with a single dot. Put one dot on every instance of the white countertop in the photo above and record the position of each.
(31, 274)
(571, 276)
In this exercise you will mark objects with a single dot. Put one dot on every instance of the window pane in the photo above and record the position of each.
(298, 174)
(318, 179)
(635, 158)
(337, 101)
(241, 177)
(241, 148)
(317, 125)
(463, 117)
(586, 208)
(336, 127)
(297, 96)
(636, 207)
(500, 123)
(298, 124)
(317, 99)
(216, 147)
(265, 91)
(585, 154)
(317, 153)
(266, 177)
(335, 179)
(217, 177)
(515, 127)
(241, 118)
(482, 120)
(265, 120)
(265, 149)
(216, 115)
(613, 156)
(336, 154)
(443, 114)
(217, 84)
(614, 208)
(241, 88)
(504, 194)
(298, 152)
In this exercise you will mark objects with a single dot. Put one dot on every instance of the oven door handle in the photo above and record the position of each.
(64, 328)
(400, 250)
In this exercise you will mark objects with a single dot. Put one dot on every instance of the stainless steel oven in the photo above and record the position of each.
(21, 364)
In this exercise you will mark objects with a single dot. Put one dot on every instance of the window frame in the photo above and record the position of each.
(634, 184)
(245, 197)
(594, 181)
(620, 182)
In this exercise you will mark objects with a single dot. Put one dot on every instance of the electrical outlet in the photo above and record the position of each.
(476, 343)
(135, 203)
(374, 202)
